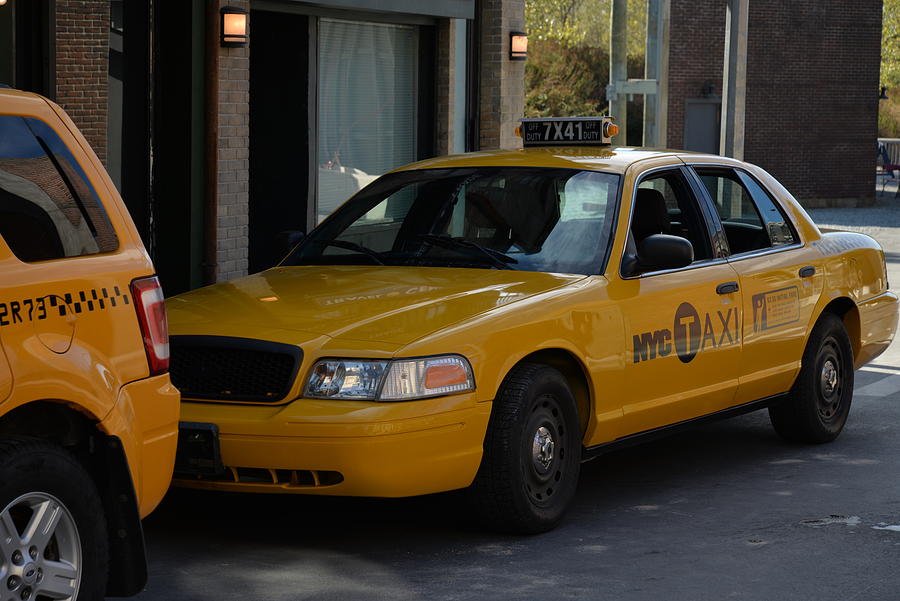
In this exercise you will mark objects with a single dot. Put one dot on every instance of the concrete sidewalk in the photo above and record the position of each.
(881, 221)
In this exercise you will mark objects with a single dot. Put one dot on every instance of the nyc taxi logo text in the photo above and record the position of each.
(689, 335)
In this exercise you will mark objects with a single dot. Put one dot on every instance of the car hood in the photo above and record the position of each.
(395, 305)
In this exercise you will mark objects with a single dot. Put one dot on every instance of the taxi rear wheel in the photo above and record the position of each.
(532, 453)
(52, 531)
(817, 407)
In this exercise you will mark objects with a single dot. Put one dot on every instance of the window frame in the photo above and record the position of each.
(703, 212)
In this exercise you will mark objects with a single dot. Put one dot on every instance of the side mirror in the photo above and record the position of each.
(661, 251)
(287, 240)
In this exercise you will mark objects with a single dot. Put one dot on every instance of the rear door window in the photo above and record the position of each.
(749, 216)
(48, 208)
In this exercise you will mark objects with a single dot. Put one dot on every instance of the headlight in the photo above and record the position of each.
(399, 380)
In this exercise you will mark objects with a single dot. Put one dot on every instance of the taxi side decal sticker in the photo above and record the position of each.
(775, 308)
(689, 335)
(36, 309)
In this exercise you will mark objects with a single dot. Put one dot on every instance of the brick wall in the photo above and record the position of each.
(812, 107)
(812, 78)
(233, 214)
(82, 50)
(502, 81)
(696, 55)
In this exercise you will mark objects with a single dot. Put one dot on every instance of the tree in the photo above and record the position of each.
(890, 44)
(568, 57)
(889, 110)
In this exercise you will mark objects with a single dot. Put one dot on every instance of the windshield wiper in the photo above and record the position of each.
(499, 259)
(374, 254)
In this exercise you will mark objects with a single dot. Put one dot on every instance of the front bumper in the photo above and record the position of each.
(353, 448)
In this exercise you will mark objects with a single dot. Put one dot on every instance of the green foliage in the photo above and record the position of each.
(889, 110)
(568, 58)
(889, 117)
(890, 45)
(583, 22)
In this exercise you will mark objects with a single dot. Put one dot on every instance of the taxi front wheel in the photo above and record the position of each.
(532, 453)
(818, 404)
(52, 531)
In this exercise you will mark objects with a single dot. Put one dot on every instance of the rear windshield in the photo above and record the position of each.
(48, 207)
(529, 219)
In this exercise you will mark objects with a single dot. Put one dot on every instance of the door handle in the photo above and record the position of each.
(807, 271)
(727, 288)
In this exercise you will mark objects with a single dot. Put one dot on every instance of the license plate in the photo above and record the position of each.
(198, 449)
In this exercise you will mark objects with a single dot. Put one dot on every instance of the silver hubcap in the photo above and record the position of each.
(40, 552)
(542, 449)
(829, 378)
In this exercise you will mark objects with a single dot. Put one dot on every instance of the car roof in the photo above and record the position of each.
(600, 158)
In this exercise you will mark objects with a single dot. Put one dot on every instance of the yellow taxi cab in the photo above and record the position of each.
(88, 415)
(488, 320)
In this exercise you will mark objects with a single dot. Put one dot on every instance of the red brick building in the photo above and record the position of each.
(811, 99)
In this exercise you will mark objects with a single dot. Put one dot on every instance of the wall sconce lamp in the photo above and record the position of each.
(518, 45)
(233, 27)
(883, 95)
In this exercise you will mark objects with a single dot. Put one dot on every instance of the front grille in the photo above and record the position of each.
(233, 369)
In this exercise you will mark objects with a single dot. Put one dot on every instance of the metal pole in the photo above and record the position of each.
(734, 80)
(651, 71)
(618, 66)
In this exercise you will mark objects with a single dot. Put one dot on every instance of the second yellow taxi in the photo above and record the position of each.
(486, 321)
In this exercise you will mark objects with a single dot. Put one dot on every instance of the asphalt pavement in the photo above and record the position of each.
(725, 511)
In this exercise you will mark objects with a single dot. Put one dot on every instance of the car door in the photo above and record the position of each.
(682, 343)
(779, 278)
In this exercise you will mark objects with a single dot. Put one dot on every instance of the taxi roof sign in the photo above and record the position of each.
(566, 131)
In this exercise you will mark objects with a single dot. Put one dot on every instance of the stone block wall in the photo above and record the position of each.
(502, 81)
(233, 160)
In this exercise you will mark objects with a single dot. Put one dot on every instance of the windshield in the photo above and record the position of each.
(530, 219)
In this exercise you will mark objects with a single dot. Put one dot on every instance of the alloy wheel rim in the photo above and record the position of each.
(40, 550)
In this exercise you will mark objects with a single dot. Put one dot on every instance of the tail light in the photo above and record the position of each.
(151, 312)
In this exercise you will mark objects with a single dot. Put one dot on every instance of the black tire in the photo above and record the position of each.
(818, 404)
(34, 471)
(526, 480)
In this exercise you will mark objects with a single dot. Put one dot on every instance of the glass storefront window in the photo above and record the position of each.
(367, 105)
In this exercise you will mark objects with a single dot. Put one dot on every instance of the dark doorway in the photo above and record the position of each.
(279, 132)
(177, 168)
(702, 123)
(35, 48)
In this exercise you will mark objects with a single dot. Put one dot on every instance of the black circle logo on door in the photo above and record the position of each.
(686, 332)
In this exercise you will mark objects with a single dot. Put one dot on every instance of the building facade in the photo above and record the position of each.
(811, 104)
(218, 148)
